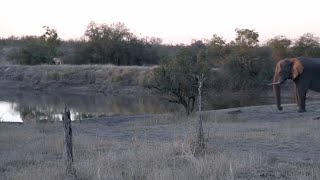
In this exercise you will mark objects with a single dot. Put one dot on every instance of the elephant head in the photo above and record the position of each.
(285, 69)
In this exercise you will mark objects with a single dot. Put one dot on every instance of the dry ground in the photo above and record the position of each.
(242, 143)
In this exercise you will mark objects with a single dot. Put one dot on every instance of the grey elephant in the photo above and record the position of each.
(304, 72)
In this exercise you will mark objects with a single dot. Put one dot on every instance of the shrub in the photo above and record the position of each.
(176, 78)
(35, 52)
(115, 44)
(38, 50)
(306, 45)
(250, 68)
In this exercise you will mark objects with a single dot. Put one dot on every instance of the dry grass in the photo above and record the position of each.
(102, 78)
(29, 153)
(161, 147)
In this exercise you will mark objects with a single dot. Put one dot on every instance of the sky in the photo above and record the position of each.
(174, 21)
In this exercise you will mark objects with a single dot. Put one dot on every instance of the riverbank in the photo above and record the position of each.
(242, 143)
(111, 90)
(76, 78)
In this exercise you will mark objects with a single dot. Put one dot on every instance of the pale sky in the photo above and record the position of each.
(174, 21)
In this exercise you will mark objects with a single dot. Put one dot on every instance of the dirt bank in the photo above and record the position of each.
(77, 78)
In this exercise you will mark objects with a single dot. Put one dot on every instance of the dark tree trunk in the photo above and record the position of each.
(188, 105)
(187, 108)
(193, 98)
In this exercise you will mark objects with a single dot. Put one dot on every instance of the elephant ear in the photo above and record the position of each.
(297, 67)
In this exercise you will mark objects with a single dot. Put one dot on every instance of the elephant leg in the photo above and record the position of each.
(296, 96)
(301, 100)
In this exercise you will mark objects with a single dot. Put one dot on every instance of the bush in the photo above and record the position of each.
(34, 52)
(74, 52)
(176, 78)
(38, 50)
(115, 44)
(251, 68)
(306, 45)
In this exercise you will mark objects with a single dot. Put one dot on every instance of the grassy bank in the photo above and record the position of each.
(246, 143)
(83, 78)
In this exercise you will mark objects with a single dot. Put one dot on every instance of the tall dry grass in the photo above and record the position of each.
(34, 151)
(235, 149)
(102, 78)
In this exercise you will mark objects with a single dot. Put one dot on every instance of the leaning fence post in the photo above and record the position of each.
(68, 141)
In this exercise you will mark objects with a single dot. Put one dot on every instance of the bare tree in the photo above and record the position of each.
(176, 80)
(201, 142)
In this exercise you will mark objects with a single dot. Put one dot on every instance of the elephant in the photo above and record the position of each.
(304, 72)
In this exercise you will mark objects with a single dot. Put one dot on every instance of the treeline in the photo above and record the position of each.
(100, 44)
(115, 44)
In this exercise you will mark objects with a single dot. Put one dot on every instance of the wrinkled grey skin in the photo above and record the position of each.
(305, 73)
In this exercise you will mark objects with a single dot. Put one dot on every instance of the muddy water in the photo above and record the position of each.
(23, 106)
(18, 106)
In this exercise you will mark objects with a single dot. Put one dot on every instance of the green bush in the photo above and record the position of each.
(248, 69)
(176, 78)
(306, 45)
(115, 44)
(34, 52)
(38, 50)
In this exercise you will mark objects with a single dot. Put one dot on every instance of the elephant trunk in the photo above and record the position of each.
(276, 90)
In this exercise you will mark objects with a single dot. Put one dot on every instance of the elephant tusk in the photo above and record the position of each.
(274, 83)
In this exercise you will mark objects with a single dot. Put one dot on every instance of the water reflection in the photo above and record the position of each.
(31, 114)
(27, 106)
(8, 112)
(38, 106)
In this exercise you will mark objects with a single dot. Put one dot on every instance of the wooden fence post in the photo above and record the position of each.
(68, 141)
